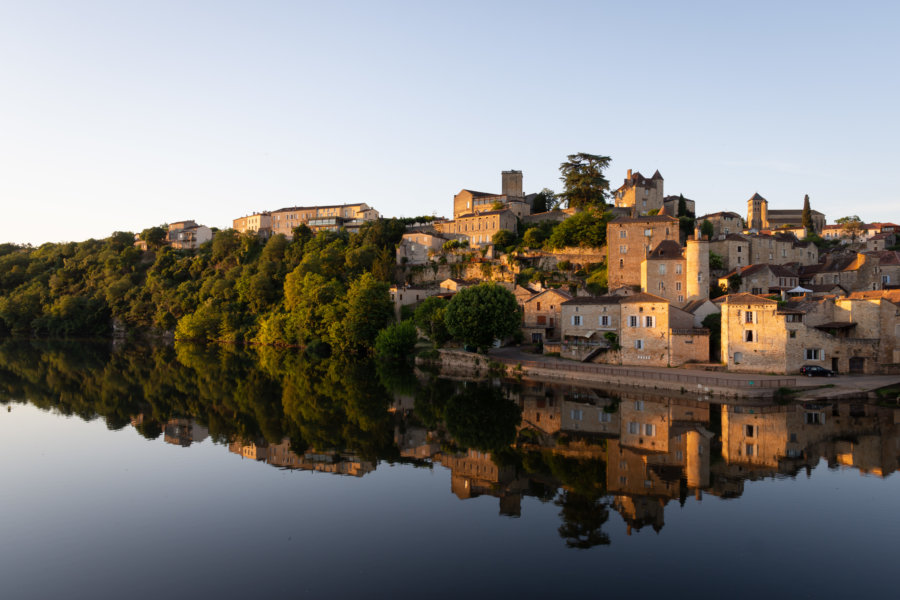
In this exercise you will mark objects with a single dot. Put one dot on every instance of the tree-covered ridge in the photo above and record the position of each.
(330, 287)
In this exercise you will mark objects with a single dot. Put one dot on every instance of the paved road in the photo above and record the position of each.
(842, 384)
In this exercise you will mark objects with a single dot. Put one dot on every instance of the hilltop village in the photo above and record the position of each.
(644, 280)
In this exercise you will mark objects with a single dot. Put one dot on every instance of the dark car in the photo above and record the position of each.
(816, 371)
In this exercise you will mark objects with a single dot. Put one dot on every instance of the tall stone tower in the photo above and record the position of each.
(512, 184)
(696, 259)
(757, 212)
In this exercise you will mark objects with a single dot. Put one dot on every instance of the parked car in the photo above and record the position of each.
(816, 371)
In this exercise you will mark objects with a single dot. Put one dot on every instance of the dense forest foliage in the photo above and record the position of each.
(329, 288)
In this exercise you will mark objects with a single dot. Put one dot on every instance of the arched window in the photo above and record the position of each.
(621, 263)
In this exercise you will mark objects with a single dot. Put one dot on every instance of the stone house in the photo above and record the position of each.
(640, 329)
(629, 242)
(187, 235)
(417, 247)
(260, 223)
(453, 285)
(670, 205)
(522, 294)
(851, 271)
(856, 334)
(700, 309)
(640, 194)
(675, 273)
(479, 228)
(723, 223)
(762, 279)
(741, 250)
(881, 241)
(542, 315)
(405, 295)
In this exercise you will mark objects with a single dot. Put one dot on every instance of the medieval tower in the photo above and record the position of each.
(696, 259)
(757, 212)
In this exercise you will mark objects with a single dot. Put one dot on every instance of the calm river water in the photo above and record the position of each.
(194, 472)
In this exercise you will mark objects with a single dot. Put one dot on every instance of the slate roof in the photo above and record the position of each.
(666, 250)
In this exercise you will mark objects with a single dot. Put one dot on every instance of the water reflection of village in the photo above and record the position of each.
(653, 450)
(658, 450)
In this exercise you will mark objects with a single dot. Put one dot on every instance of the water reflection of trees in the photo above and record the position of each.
(588, 453)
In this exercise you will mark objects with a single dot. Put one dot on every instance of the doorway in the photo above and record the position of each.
(834, 364)
(857, 364)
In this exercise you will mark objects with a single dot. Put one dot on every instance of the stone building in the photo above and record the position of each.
(852, 271)
(856, 334)
(187, 235)
(670, 205)
(723, 223)
(760, 217)
(630, 240)
(640, 194)
(542, 314)
(317, 218)
(678, 274)
(740, 250)
(406, 295)
(479, 228)
(511, 198)
(417, 247)
(640, 329)
(762, 279)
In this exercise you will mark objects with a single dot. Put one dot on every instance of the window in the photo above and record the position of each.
(750, 449)
(577, 413)
(748, 335)
(623, 234)
(792, 334)
(661, 285)
(638, 405)
(604, 321)
(623, 249)
(885, 279)
(634, 428)
(633, 321)
(662, 269)
(814, 418)
(680, 298)
(748, 430)
(539, 306)
(677, 286)
(649, 321)
(748, 317)
(793, 318)
(638, 344)
(576, 320)
(678, 269)
(740, 249)
(604, 416)
(621, 263)
(649, 430)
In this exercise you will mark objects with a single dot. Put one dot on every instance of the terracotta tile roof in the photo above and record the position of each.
(563, 294)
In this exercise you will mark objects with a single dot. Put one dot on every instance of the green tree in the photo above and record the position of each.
(544, 201)
(735, 282)
(716, 263)
(851, 227)
(584, 182)
(154, 236)
(806, 215)
(707, 230)
(481, 314)
(503, 239)
(368, 310)
(585, 229)
(429, 317)
(480, 417)
(396, 342)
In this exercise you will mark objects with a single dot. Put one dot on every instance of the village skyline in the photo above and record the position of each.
(121, 117)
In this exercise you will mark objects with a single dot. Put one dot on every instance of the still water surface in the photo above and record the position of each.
(199, 472)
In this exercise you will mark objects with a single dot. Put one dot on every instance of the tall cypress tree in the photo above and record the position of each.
(806, 217)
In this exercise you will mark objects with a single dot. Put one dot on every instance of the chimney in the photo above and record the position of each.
(629, 174)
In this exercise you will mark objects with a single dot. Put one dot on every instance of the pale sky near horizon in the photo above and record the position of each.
(121, 115)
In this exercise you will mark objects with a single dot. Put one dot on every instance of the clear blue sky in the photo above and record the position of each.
(121, 115)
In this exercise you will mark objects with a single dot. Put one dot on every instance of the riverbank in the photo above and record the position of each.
(512, 362)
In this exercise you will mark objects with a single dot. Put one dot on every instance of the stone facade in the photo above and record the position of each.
(410, 296)
(542, 315)
(856, 334)
(630, 240)
(741, 250)
(663, 273)
(317, 218)
(723, 223)
(479, 228)
(640, 194)
(760, 217)
(762, 279)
